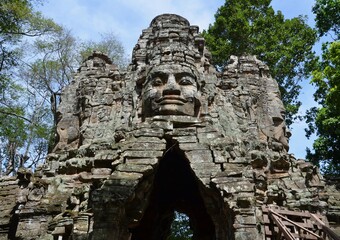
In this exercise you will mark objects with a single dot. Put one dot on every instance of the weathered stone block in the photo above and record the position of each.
(205, 169)
(232, 170)
(101, 171)
(189, 131)
(196, 156)
(36, 194)
(88, 177)
(204, 137)
(242, 160)
(165, 125)
(144, 161)
(245, 220)
(186, 139)
(247, 233)
(124, 178)
(144, 146)
(193, 146)
(221, 157)
(235, 187)
(142, 154)
(138, 168)
(148, 132)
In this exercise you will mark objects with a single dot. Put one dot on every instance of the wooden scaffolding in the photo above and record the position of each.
(282, 224)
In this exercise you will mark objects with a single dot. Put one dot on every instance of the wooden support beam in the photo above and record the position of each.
(326, 229)
(287, 234)
(295, 224)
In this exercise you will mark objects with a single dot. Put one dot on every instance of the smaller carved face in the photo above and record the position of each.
(281, 132)
(170, 90)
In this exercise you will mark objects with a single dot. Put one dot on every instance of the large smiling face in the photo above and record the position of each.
(170, 90)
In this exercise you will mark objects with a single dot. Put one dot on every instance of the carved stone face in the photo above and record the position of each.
(281, 132)
(170, 90)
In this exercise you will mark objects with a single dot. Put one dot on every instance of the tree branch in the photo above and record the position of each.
(15, 115)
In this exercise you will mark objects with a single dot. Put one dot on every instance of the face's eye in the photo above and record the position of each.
(186, 81)
(157, 82)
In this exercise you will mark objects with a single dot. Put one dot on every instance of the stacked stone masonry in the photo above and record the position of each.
(168, 134)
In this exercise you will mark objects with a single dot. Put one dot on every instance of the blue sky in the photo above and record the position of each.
(127, 18)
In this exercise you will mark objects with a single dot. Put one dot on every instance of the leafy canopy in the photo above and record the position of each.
(32, 75)
(327, 16)
(325, 119)
(253, 27)
(18, 20)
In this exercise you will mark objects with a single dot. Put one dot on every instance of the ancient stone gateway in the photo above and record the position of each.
(169, 134)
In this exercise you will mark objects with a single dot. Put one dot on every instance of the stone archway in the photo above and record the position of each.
(176, 188)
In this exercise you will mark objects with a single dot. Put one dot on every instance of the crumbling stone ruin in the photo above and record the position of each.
(169, 134)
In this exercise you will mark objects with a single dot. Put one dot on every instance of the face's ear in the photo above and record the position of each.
(139, 85)
(198, 100)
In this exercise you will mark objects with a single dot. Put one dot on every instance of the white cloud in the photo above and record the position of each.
(126, 17)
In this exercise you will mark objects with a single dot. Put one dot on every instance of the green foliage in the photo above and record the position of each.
(180, 228)
(22, 129)
(325, 121)
(13, 127)
(55, 61)
(253, 27)
(57, 55)
(327, 16)
(12, 124)
(18, 19)
(109, 45)
(19, 125)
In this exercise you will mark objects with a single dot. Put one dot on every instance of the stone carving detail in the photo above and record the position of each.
(169, 134)
(171, 90)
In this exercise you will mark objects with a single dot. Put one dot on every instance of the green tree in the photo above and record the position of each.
(18, 20)
(253, 27)
(108, 44)
(180, 227)
(55, 60)
(325, 119)
(327, 17)
(37, 59)
(12, 127)
(57, 57)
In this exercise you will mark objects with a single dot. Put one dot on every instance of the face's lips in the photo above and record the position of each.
(171, 99)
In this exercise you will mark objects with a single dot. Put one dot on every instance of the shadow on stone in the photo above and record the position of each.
(176, 188)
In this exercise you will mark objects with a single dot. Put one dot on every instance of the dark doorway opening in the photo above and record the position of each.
(176, 188)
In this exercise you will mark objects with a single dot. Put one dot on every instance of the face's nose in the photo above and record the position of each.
(171, 87)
